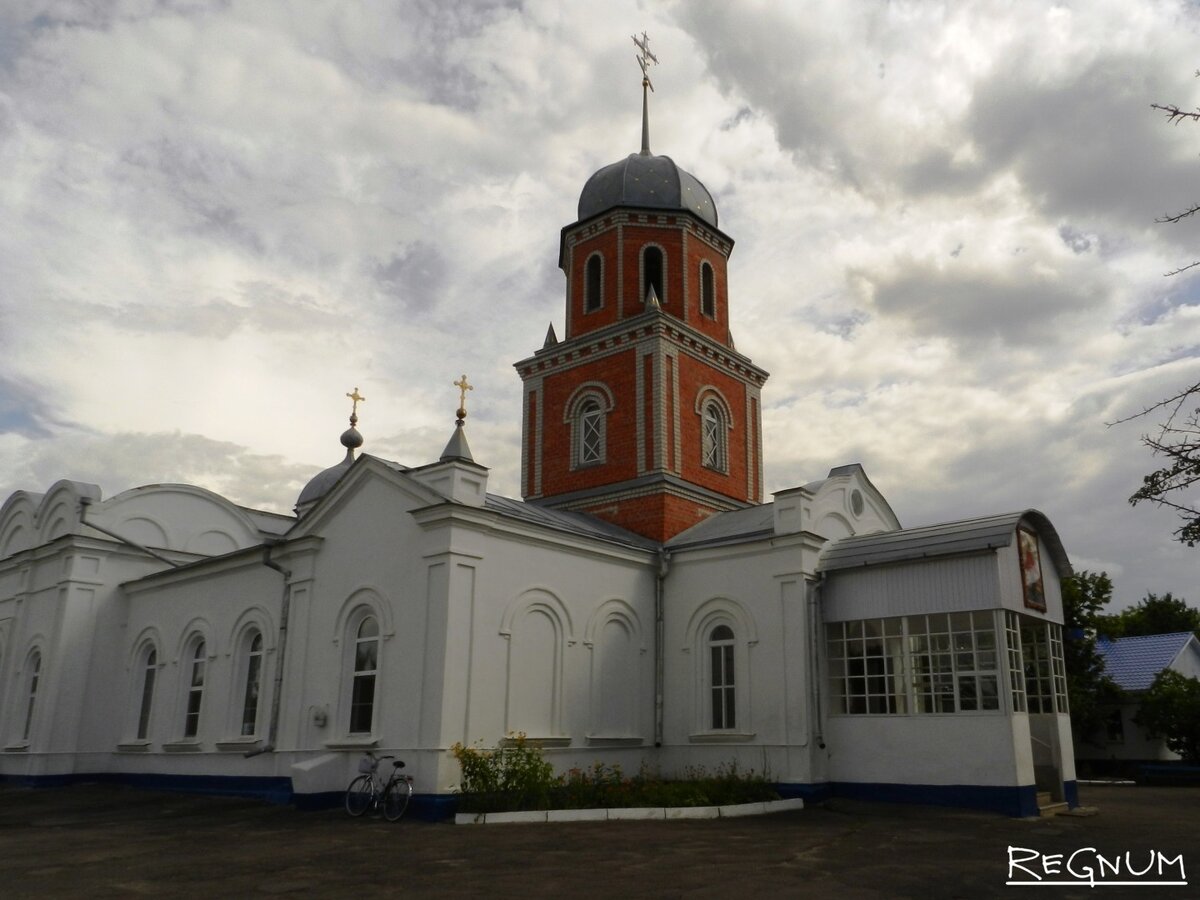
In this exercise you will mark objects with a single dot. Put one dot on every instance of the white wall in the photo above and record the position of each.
(760, 591)
(935, 750)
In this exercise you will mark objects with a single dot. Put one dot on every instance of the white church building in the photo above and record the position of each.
(640, 605)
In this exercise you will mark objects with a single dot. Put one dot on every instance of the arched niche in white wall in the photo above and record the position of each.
(538, 628)
(615, 639)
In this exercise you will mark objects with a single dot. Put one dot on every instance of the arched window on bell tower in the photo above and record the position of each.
(712, 441)
(708, 292)
(716, 421)
(593, 283)
(653, 267)
(586, 415)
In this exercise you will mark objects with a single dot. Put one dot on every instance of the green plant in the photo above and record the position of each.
(514, 776)
(1171, 710)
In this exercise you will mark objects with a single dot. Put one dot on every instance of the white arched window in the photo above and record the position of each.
(363, 680)
(586, 415)
(720, 635)
(33, 675)
(148, 672)
(593, 283)
(708, 292)
(252, 668)
(197, 669)
(722, 679)
(591, 433)
(713, 430)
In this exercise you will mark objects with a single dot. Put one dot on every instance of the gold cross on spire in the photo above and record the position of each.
(463, 387)
(357, 398)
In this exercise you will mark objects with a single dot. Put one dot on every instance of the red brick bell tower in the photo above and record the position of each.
(644, 414)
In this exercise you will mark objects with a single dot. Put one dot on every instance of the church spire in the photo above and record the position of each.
(645, 59)
(456, 447)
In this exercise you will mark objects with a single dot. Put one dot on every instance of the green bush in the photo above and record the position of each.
(517, 777)
(512, 777)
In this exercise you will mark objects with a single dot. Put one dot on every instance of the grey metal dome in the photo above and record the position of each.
(645, 180)
(323, 481)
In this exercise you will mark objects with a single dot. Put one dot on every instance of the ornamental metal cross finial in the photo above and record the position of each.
(357, 398)
(463, 387)
(645, 58)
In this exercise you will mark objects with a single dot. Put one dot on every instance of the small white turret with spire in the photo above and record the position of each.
(456, 475)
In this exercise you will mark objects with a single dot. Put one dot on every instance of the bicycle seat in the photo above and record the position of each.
(398, 764)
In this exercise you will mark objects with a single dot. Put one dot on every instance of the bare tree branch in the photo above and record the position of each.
(1175, 114)
(1179, 217)
(1181, 269)
(1178, 438)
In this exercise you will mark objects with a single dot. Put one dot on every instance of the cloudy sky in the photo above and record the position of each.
(218, 218)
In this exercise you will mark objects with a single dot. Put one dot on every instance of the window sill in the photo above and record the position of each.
(723, 737)
(364, 742)
(182, 747)
(543, 742)
(239, 745)
(603, 740)
(133, 746)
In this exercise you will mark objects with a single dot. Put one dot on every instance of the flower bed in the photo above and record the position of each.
(518, 778)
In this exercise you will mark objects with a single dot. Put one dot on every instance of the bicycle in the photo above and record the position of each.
(365, 791)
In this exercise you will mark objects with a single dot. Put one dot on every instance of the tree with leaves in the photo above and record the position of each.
(1171, 710)
(1153, 615)
(1177, 438)
(1092, 694)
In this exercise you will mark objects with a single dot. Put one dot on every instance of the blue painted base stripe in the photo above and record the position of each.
(274, 790)
(1011, 801)
(1071, 793)
(809, 793)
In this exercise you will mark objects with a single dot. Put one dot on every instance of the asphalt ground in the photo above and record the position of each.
(104, 841)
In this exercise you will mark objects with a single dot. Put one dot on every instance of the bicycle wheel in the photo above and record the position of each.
(395, 799)
(358, 795)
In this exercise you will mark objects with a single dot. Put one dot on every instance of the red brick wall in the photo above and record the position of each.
(716, 328)
(580, 322)
(659, 517)
(617, 372)
(693, 375)
(670, 238)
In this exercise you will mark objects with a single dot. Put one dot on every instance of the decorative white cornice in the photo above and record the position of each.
(620, 336)
(491, 522)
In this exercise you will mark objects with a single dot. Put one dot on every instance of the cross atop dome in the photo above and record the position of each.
(645, 59)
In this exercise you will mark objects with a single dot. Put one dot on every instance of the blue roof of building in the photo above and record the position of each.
(1133, 662)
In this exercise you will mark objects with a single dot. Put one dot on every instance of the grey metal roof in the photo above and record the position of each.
(1133, 662)
(967, 536)
(564, 520)
(457, 447)
(727, 527)
(269, 522)
(648, 181)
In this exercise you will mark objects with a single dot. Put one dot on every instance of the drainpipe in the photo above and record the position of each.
(284, 609)
(664, 566)
(85, 502)
(814, 623)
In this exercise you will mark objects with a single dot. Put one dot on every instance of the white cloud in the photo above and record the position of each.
(217, 219)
